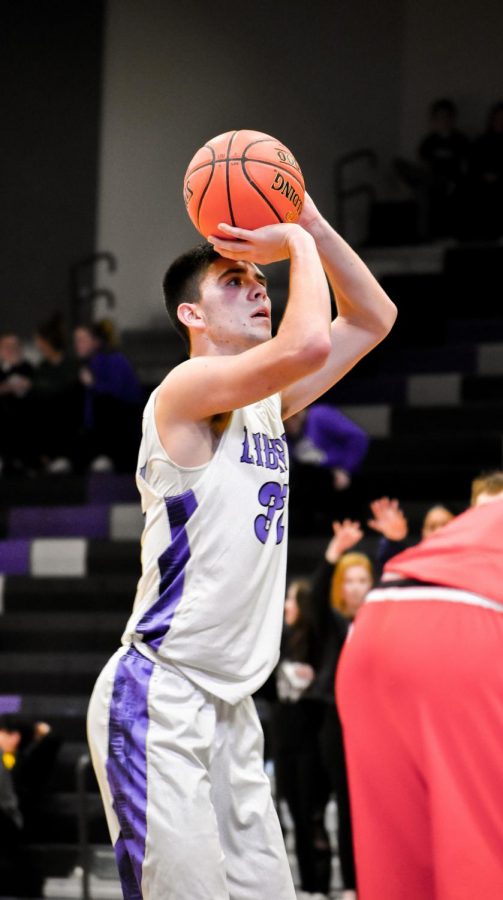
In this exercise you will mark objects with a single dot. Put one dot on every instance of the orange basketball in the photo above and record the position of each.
(243, 178)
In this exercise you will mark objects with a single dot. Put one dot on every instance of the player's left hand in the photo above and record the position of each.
(310, 216)
(268, 244)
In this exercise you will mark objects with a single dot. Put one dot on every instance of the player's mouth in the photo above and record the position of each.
(262, 312)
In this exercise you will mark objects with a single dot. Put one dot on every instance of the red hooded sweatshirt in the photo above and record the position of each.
(466, 554)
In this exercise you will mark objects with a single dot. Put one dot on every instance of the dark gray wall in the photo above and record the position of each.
(322, 76)
(50, 71)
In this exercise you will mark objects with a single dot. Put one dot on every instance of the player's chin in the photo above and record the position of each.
(262, 333)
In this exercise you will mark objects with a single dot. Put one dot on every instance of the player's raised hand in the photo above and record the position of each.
(388, 519)
(346, 535)
(268, 244)
(310, 216)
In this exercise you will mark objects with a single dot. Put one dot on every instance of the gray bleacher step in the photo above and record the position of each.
(68, 888)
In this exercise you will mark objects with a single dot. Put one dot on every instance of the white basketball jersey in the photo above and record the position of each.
(210, 598)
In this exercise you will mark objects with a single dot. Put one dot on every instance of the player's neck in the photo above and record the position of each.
(203, 346)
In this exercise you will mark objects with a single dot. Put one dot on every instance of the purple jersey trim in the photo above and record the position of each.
(172, 564)
(127, 766)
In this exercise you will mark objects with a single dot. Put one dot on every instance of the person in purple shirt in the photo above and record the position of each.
(326, 450)
(322, 436)
(112, 399)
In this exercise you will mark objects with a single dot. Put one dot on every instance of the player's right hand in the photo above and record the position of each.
(268, 244)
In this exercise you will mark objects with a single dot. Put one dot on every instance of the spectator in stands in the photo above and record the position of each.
(12, 364)
(444, 152)
(486, 171)
(16, 374)
(297, 719)
(389, 520)
(28, 752)
(487, 488)
(112, 402)
(326, 450)
(56, 398)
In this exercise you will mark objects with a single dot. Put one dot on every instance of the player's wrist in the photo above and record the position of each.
(299, 241)
(321, 231)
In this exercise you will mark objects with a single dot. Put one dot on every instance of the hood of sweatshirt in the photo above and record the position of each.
(466, 554)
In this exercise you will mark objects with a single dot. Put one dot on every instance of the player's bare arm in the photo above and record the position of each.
(234, 367)
(365, 313)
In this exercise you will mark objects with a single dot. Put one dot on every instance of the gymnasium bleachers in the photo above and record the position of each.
(431, 397)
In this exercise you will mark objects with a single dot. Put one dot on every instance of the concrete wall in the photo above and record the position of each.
(450, 49)
(50, 71)
(323, 76)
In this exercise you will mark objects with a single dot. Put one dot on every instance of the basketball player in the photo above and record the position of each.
(175, 739)
(420, 690)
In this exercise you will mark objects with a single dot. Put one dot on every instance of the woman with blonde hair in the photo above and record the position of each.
(352, 579)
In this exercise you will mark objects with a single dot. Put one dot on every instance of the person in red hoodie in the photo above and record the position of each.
(420, 693)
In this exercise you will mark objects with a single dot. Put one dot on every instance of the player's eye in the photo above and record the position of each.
(235, 280)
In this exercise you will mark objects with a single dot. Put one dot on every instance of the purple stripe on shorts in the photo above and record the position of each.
(129, 884)
(127, 766)
(172, 564)
(15, 557)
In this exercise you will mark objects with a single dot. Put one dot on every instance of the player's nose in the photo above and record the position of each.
(258, 291)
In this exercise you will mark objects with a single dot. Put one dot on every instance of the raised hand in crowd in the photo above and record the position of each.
(346, 535)
(388, 519)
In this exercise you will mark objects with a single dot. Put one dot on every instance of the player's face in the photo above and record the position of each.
(355, 586)
(235, 305)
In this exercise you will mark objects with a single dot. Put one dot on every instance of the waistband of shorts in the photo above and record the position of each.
(427, 593)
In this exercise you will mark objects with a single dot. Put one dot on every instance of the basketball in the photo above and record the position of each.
(243, 178)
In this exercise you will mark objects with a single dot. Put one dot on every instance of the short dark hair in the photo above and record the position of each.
(181, 282)
(443, 105)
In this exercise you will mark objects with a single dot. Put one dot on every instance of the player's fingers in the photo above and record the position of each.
(240, 233)
(232, 249)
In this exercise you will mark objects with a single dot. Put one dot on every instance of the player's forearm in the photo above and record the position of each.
(306, 321)
(359, 297)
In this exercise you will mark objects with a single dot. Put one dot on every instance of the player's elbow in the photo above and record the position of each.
(391, 314)
(314, 351)
(387, 317)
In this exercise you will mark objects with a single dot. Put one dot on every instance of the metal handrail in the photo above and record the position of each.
(342, 194)
(82, 292)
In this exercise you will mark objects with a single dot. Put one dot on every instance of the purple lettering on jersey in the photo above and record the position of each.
(245, 456)
(127, 766)
(258, 448)
(172, 563)
(270, 453)
(280, 445)
(273, 496)
(266, 452)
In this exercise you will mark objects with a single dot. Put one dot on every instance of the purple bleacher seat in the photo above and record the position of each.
(9, 703)
(15, 557)
(91, 521)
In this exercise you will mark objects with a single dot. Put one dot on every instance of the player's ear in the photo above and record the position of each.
(190, 315)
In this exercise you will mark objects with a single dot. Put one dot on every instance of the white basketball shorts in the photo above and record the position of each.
(181, 776)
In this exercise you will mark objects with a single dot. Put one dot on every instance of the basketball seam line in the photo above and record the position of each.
(206, 186)
(245, 173)
(244, 159)
(227, 179)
